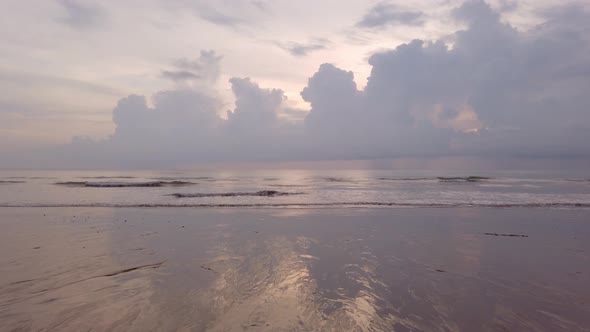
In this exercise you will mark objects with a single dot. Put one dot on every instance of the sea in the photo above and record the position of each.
(294, 188)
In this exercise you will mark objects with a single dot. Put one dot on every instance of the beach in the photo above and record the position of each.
(294, 166)
(294, 269)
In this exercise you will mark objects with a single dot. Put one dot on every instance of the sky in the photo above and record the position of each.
(161, 83)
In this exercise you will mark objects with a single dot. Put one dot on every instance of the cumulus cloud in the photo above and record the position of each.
(493, 91)
(184, 125)
(178, 115)
(334, 98)
(385, 13)
(256, 108)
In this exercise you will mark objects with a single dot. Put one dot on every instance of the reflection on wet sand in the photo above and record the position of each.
(268, 286)
(260, 283)
(58, 276)
(293, 270)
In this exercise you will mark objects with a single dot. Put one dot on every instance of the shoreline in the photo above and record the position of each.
(351, 205)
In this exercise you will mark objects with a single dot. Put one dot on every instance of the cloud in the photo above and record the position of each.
(493, 91)
(177, 115)
(256, 108)
(344, 122)
(79, 14)
(384, 14)
(180, 75)
(507, 5)
(205, 68)
(226, 13)
(333, 96)
(213, 16)
(303, 49)
(184, 123)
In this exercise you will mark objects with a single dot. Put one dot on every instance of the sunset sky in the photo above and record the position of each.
(165, 82)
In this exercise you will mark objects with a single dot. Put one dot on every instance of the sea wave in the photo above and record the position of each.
(463, 179)
(108, 177)
(335, 179)
(309, 205)
(287, 185)
(438, 178)
(123, 184)
(405, 179)
(11, 181)
(30, 178)
(183, 178)
(261, 193)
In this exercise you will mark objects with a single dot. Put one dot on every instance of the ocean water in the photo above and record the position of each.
(292, 188)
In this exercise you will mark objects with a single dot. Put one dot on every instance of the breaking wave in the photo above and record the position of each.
(404, 179)
(262, 193)
(108, 177)
(124, 184)
(463, 179)
(438, 179)
(29, 178)
(184, 178)
(287, 185)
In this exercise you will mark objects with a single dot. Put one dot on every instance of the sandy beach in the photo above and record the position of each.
(402, 269)
(291, 166)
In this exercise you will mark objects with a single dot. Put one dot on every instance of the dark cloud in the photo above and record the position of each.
(180, 75)
(303, 49)
(384, 14)
(213, 16)
(81, 14)
(205, 68)
(497, 92)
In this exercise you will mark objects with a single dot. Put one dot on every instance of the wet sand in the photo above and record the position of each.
(402, 269)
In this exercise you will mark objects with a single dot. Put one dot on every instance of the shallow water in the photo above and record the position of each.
(292, 188)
